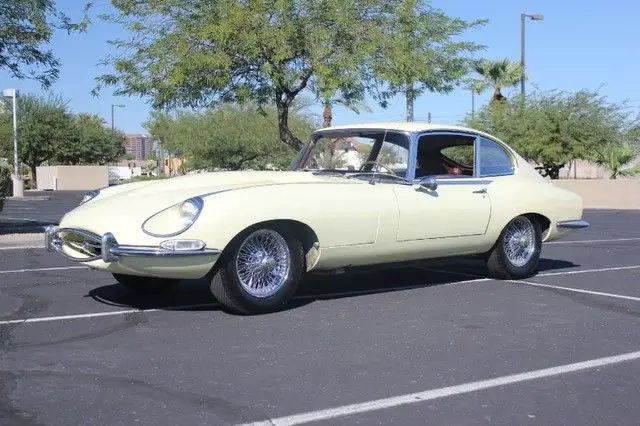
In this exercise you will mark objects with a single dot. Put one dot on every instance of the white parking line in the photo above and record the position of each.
(57, 268)
(106, 314)
(70, 317)
(427, 395)
(578, 290)
(612, 240)
(544, 274)
(206, 305)
(39, 246)
(589, 271)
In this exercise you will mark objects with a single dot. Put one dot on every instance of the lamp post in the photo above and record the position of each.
(534, 17)
(18, 185)
(112, 122)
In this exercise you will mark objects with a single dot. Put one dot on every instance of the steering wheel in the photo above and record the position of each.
(379, 165)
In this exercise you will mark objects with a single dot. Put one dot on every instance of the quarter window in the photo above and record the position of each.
(494, 160)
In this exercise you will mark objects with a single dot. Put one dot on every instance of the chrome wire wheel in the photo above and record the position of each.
(519, 241)
(262, 263)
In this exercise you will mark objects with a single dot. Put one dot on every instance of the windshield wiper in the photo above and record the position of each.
(328, 172)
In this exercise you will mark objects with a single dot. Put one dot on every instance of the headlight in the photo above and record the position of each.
(175, 219)
(90, 196)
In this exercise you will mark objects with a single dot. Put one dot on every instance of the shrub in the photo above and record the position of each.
(5, 184)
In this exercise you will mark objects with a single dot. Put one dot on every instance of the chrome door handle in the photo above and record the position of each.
(481, 191)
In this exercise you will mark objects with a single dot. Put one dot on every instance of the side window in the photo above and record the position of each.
(462, 154)
(445, 155)
(493, 160)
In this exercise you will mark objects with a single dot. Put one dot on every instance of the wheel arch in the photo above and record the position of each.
(540, 219)
(306, 234)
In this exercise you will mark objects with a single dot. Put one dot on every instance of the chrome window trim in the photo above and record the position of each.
(477, 153)
(466, 180)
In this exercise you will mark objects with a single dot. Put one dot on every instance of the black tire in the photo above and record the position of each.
(226, 285)
(140, 284)
(498, 262)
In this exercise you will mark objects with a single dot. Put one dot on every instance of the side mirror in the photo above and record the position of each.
(428, 182)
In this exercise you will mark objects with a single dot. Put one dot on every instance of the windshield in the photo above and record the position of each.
(377, 151)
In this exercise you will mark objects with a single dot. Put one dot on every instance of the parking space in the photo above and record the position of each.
(435, 343)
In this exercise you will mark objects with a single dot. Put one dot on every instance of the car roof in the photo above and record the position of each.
(404, 126)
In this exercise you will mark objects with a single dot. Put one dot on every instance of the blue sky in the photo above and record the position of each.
(578, 45)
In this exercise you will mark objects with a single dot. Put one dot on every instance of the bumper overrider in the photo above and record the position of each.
(573, 224)
(83, 246)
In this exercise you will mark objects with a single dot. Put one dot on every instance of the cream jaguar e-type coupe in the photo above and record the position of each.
(354, 196)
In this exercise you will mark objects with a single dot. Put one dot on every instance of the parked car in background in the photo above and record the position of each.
(355, 195)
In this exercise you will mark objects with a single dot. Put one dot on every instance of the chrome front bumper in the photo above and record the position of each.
(573, 224)
(106, 247)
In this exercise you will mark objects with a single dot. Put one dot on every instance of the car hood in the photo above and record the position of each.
(207, 183)
(139, 200)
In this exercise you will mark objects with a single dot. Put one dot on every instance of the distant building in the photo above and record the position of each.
(139, 146)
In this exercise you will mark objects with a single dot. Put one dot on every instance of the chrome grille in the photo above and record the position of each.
(77, 244)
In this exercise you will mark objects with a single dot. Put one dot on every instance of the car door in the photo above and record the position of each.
(459, 205)
(455, 208)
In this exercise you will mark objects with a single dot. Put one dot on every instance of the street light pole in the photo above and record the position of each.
(18, 185)
(112, 121)
(534, 17)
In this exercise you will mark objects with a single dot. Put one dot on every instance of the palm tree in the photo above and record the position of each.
(618, 159)
(498, 74)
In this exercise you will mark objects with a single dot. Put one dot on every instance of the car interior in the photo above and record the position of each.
(445, 156)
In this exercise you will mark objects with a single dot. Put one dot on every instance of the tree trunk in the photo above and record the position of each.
(286, 135)
(327, 115)
(497, 95)
(34, 181)
(409, 100)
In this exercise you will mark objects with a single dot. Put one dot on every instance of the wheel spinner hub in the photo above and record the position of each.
(519, 242)
(262, 263)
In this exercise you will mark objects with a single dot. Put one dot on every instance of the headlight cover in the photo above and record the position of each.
(175, 219)
(90, 196)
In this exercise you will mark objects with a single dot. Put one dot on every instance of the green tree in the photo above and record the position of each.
(553, 128)
(5, 183)
(26, 27)
(197, 53)
(497, 74)
(228, 137)
(420, 51)
(44, 125)
(92, 142)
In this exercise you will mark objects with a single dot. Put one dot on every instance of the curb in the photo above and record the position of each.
(28, 198)
(15, 241)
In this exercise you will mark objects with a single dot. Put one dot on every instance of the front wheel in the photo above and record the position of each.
(140, 284)
(260, 271)
(517, 251)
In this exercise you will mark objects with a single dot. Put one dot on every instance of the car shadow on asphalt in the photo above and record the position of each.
(194, 295)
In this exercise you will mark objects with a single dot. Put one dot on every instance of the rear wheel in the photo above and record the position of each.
(140, 284)
(260, 271)
(517, 252)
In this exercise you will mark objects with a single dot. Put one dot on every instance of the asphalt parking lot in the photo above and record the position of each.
(432, 343)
